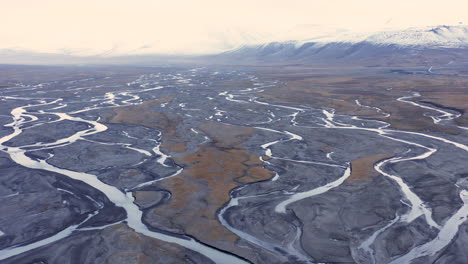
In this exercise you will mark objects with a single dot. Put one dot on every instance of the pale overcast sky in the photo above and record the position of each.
(202, 25)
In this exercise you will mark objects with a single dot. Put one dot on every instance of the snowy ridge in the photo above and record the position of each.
(302, 44)
(440, 36)
(429, 37)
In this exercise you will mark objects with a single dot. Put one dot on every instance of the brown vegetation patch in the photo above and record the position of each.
(458, 100)
(225, 135)
(147, 198)
(339, 90)
(363, 168)
(209, 175)
(143, 115)
(326, 148)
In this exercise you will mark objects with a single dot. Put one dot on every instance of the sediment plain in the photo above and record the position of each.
(249, 164)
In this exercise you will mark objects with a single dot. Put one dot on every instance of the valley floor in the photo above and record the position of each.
(271, 164)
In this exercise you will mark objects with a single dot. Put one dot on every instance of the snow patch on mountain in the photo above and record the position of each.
(440, 36)
(228, 40)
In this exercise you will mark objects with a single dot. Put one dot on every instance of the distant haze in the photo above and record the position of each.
(116, 27)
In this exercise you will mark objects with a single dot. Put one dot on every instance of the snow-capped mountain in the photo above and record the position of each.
(304, 44)
(442, 43)
(440, 36)
(428, 37)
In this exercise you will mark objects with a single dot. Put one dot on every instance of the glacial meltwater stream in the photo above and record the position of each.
(39, 111)
(120, 198)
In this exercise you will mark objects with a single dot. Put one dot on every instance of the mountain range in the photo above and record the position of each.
(439, 44)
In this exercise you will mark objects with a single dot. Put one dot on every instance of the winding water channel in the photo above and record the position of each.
(34, 108)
